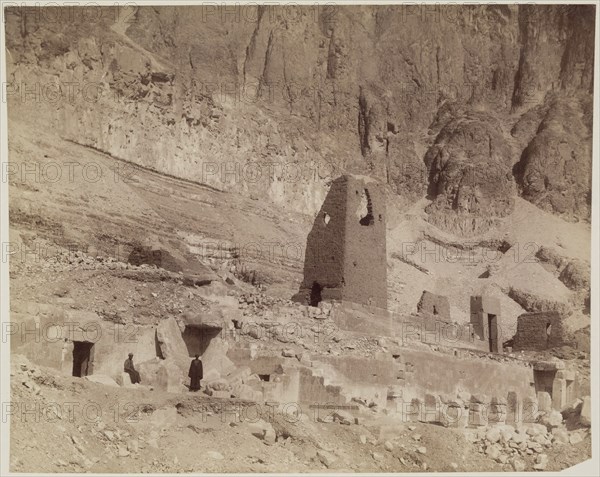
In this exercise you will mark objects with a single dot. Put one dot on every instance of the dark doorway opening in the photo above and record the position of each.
(493, 332)
(265, 377)
(544, 381)
(315, 294)
(197, 338)
(83, 358)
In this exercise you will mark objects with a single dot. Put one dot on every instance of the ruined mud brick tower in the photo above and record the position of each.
(345, 256)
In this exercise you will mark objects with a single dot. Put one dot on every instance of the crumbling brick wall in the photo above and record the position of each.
(432, 304)
(346, 255)
(539, 331)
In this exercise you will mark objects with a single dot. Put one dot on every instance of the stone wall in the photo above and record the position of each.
(362, 319)
(422, 372)
(539, 331)
(433, 304)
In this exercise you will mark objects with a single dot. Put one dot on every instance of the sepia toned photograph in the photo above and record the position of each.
(299, 238)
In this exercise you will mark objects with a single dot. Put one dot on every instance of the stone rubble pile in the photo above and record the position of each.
(515, 446)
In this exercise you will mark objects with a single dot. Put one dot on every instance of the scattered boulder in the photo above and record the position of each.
(517, 464)
(585, 416)
(537, 429)
(493, 451)
(541, 462)
(264, 431)
(575, 438)
(215, 455)
(560, 435)
(326, 458)
(102, 379)
(493, 435)
(343, 417)
(552, 419)
(122, 451)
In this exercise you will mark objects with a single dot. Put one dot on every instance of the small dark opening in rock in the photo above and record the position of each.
(158, 351)
(315, 294)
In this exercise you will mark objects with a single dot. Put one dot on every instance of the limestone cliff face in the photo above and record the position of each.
(275, 102)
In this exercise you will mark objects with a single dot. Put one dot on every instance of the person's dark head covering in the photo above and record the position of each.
(130, 355)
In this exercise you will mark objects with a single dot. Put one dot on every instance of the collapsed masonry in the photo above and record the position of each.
(434, 305)
(539, 331)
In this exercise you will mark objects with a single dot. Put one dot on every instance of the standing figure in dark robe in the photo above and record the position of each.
(195, 374)
(130, 369)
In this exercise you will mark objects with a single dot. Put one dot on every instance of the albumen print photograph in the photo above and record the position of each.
(299, 237)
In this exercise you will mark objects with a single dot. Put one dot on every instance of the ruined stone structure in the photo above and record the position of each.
(436, 305)
(346, 248)
(485, 314)
(539, 331)
(555, 386)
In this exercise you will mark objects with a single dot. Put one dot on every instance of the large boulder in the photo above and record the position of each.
(470, 174)
(162, 374)
(554, 171)
(585, 416)
(170, 344)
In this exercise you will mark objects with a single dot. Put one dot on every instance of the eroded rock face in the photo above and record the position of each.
(469, 168)
(554, 171)
(275, 102)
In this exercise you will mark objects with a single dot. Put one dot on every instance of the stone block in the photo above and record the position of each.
(125, 380)
(453, 415)
(585, 417)
(497, 413)
(479, 398)
(559, 394)
(514, 410)
(531, 409)
(544, 401)
(477, 415)
(220, 394)
(412, 411)
(430, 409)
(103, 379)
(434, 305)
